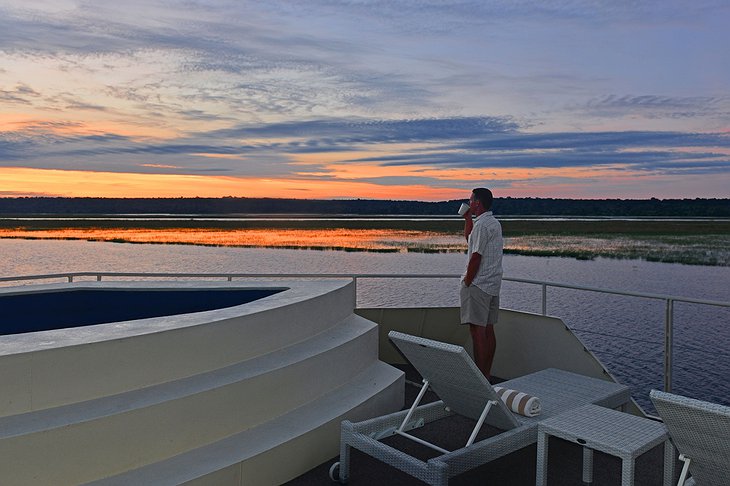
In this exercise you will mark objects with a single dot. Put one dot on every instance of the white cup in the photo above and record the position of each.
(463, 209)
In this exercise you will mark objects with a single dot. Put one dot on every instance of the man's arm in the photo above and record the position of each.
(472, 267)
(468, 224)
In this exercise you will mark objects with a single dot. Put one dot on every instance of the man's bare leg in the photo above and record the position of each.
(485, 345)
(491, 349)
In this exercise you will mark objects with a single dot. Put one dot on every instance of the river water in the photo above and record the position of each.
(626, 333)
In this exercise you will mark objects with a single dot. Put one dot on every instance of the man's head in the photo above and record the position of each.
(481, 200)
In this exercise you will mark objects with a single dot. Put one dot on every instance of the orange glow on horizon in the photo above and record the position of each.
(340, 183)
(16, 181)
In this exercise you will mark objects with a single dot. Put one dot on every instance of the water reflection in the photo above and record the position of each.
(702, 249)
(326, 239)
(626, 333)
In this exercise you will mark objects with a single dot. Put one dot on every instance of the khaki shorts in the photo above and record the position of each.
(478, 307)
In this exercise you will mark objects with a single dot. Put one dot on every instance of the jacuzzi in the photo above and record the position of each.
(137, 381)
(77, 307)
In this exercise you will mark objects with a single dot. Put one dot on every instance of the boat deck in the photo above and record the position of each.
(518, 468)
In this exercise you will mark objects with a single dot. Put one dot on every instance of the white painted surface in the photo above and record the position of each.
(256, 380)
(525, 342)
(71, 365)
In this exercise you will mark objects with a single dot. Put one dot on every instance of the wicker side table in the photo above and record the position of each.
(602, 429)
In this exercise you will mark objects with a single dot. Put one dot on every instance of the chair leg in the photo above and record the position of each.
(669, 454)
(439, 474)
(627, 472)
(587, 465)
(344, 464)
(345, 434)
(685, 469)
(542, 459)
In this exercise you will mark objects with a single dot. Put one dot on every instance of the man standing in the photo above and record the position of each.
(481, 283)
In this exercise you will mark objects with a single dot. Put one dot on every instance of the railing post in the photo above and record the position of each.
(668, 344)
(544, 299)
(98, 278)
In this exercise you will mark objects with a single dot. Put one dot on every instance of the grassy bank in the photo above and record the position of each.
(691, 250)
(697, 242)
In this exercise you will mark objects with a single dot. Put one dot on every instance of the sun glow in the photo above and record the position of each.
(17, 181)
(342, 181)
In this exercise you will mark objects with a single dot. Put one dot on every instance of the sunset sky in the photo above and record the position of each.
(408, 99)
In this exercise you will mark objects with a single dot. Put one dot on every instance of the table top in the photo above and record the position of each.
(606, 430)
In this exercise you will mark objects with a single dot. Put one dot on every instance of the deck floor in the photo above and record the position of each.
(518, 468)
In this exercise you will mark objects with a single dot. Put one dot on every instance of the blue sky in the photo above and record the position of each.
(399, 100)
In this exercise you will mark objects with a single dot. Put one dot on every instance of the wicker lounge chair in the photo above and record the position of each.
(463, 390)
(701, 433)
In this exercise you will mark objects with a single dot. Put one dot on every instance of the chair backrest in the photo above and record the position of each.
(701, 431)
(454, 377)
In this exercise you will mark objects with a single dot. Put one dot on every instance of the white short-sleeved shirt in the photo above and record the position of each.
(486, 239)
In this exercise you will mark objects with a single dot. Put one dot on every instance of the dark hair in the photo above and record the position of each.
(483, 195)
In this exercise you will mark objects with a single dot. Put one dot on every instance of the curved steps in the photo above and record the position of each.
(242, 420)
(278, 450)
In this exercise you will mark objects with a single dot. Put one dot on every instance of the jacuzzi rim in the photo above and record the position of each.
(293, 292)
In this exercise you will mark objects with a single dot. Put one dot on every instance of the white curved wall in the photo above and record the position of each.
(126, 400)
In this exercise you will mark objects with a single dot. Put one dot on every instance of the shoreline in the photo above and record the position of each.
(707, 250)
(510, 226)
(692, 242)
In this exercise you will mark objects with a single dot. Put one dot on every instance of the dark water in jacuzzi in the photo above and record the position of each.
(43, 311)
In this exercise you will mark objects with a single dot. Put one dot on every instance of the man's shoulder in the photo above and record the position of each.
(487, 219)
(492, 226)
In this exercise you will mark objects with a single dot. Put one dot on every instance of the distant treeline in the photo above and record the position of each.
(235, 205)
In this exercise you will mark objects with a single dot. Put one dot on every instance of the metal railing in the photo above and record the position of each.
(668, 299)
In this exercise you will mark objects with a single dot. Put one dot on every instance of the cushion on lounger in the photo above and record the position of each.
(519, 402)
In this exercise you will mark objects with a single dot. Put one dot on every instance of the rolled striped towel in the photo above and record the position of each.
(519, 402)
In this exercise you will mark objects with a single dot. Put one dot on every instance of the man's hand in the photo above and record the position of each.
(468, 224)
(471, 268)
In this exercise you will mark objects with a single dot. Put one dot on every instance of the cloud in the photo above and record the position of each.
(656, 106)
(596, 141)
(442, 17)
(271, 60)
(21, 94)
(259, 67)
(377, 131)
(464, 143)
(282, 89)
(26, 194)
